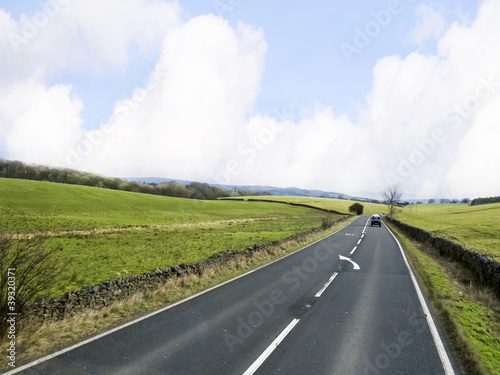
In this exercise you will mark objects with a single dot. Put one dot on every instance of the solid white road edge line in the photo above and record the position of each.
(259, 361)
(320, 292)
(445, 360)
(81, 343)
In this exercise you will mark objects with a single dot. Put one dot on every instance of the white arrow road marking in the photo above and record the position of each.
(356, 267)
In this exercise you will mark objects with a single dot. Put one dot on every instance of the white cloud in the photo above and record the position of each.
(428, 124)
(92, 35)
(321, 151)
(42, 123)
(451, 94)
(430, 25)
(190, 118)
(475, 169)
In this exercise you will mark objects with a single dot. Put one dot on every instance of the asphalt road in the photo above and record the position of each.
(344, 305)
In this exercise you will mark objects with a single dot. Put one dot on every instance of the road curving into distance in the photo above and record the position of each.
(347, 304)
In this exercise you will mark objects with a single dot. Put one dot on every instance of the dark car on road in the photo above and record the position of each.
(376, 220)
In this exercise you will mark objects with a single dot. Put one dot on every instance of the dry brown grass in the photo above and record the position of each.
(35, 341)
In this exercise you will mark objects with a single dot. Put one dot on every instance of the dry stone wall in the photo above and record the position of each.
(104, 293)
(485, 270)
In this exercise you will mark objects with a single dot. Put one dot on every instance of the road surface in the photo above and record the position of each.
(344, 305)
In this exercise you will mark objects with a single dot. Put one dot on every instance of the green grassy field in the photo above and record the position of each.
(106, 233)
(340, 205)
(478, 227)
(27, 205)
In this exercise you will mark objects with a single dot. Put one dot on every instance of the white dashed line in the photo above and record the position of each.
(320, 292)
(259, 361)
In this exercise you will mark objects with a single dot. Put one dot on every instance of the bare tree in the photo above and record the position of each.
(392, 195)
(27, 268)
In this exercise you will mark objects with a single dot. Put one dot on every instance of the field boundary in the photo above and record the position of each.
(102, 294)
(283, 202)
(485, 270)
(150, 226)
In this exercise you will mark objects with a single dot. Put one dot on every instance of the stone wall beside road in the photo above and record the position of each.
(485, 270)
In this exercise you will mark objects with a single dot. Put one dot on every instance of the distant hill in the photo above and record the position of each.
(289, 191)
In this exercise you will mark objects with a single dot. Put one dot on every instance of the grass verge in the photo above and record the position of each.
(469, 313)
(33, 342)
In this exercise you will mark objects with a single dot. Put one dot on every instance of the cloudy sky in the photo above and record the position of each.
(340, 96)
